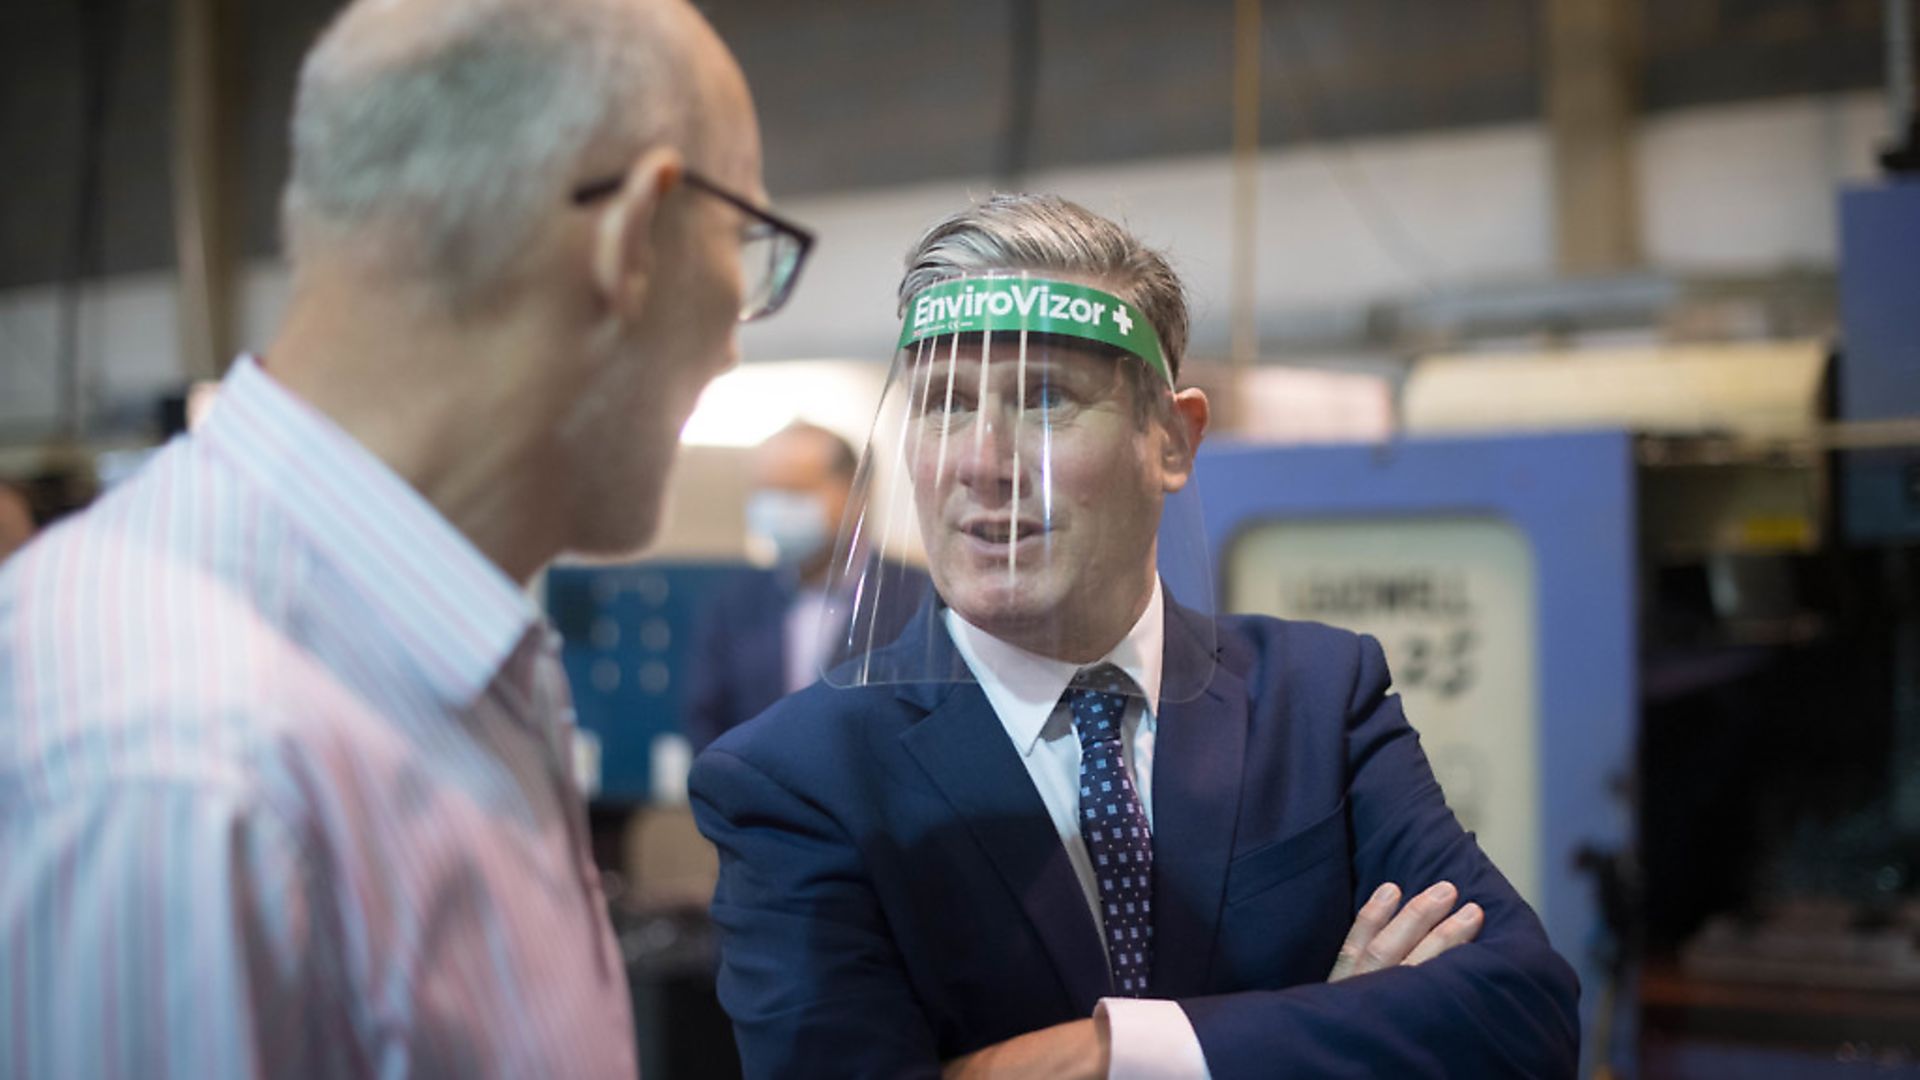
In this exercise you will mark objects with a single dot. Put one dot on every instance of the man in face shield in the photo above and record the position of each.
(1067, 823)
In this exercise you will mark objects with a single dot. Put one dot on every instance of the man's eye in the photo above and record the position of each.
(939, 411)
(1047, 396)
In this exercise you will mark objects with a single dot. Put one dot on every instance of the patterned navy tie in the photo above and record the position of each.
(1114, 825)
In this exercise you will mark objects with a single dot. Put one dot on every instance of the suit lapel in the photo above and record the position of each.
(969, 759)
(1197, 764)
(1197, 772)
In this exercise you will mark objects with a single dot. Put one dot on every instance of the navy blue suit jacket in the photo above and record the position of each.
(893, 893)
(739, 656)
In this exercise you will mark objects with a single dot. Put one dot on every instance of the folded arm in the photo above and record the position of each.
(1503, 1005)
(1384, 934)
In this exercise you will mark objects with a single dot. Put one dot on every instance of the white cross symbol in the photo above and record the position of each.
(1123, 320)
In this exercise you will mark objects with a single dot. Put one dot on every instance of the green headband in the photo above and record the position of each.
(1037, 305)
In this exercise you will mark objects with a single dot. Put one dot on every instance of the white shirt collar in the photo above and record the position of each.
(447, 606)
(1024, 687)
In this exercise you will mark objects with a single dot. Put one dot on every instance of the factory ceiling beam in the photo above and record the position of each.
(1590, 74)
(205, 195)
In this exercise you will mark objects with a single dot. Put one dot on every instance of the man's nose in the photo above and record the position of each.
(989, 455)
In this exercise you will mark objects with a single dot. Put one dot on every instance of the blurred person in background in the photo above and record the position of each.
(17, 525)
(1066, 824)
(282, 738)
(64, 484)
(768, 636)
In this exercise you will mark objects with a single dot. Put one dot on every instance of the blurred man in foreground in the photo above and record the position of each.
(281, 738)
(1068, 824)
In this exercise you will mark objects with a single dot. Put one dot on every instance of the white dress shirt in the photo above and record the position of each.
(281, 783)
(806, 637)
(1152, 1039)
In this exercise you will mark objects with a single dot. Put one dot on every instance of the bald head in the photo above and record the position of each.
(443, 131)
(804, 454)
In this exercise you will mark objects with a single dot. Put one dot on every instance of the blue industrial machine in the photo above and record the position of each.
(1880, 353)
(628, 631)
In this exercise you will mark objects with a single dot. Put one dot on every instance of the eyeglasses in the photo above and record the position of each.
(772, 249)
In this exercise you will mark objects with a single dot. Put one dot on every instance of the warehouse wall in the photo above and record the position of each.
(1744, 188)
(1414, 165)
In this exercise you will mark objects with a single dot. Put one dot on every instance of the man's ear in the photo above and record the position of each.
(626, 240)
(1186, 426)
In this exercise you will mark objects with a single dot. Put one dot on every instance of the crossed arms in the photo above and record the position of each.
(1384, 935)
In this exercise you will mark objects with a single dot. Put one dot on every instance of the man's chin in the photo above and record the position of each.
(612, 547)
(1012, 614)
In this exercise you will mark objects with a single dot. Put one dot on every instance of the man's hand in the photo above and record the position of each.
(1078, 1048)
(1421, 931)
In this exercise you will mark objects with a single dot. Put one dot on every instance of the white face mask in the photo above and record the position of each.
(786, 528)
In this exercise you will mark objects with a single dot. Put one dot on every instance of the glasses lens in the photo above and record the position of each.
(768, 259)
(757, 254)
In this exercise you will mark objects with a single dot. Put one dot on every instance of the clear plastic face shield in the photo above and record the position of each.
(1031, 452)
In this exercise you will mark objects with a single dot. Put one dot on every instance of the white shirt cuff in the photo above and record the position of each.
(1152, 1039)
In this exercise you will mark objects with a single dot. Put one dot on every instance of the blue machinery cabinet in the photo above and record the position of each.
(628, 633)
(1500, 574)
(1880, 353)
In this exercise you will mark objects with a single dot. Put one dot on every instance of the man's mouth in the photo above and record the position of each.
(1002, 531)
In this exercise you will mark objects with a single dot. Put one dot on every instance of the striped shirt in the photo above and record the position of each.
(281, 783)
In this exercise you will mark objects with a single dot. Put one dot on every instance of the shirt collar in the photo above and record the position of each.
(1024, 687)
(447, 605)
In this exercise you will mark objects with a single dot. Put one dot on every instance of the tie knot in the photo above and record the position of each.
(1103, 679)
(1097, 698)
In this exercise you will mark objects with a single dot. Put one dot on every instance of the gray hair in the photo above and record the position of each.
(1042, 233)
(451, 139)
